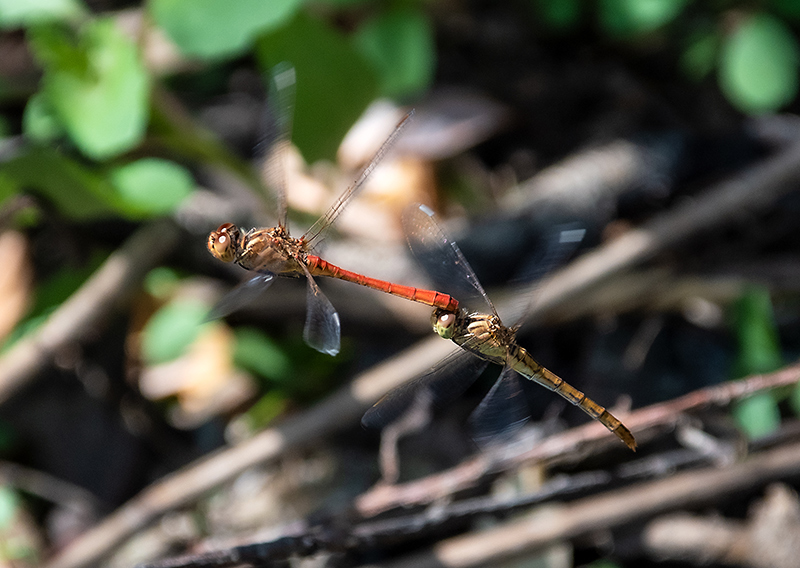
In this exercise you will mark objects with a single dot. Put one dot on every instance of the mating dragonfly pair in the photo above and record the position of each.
(476, 328)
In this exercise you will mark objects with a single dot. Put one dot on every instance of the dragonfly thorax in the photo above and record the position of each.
(272, 250)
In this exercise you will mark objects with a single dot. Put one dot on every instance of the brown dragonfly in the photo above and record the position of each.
(274, 252)
(484, 339)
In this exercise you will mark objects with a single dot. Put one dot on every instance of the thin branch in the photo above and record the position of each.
(79, 317)
(603, 512)
(754, 189)
(565, 445)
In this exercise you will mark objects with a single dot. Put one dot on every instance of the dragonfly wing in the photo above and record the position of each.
(277, 131)
(560, 246)
(318, 229)
(443, 260)
(445, 382)
(502, 412)
(322, 330)
(241, 296)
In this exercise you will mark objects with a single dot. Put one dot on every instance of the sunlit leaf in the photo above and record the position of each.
(161, 282)
(97, 86)
(21, 13)
(256, 352)
(758, 347)
(9, 507)
(626, 17)
(758, 65)
(758, 352)
(400, 45)
(265, 410)
(39, 121)
(153, 185)
(334, 83)
(74, 190)
(210, 28)
(172, 329)
(758, 415)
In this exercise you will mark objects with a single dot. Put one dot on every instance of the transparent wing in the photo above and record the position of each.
(277, 131)
(241, 296)
(318, 229)
(322, 330)
(502, 412)
(445, 382)
(443, 260)
(560, 246)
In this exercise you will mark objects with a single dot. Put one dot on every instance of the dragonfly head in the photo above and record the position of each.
(225, 242)
(444, 323)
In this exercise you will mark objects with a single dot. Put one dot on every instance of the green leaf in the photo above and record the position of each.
(21, 13)
(39, 121)
(9, 508)
(758, 65)
(560, 14)
(758, 352)
(757, 415)
(758, 347)
(265, 410)
(400, 45)
(334, 83)
(628, 17)
(210, 28)
(152, 185)
(75, 190)
(259, 354)
(97, 86)
(699, 58)
(172, 329)
(786, 8)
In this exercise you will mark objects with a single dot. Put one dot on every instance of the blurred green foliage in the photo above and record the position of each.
(172, 329)
(758, 352)
(752, 46)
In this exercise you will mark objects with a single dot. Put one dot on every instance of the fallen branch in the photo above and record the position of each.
(687, 490)
(79, 317)
(565, 445)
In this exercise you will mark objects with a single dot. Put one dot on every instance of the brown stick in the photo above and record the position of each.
(534, 532)
(758, 187)
(79, 317)
(469, 473)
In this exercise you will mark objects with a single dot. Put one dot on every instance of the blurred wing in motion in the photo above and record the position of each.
(443, 261)
(501, 413)
(317, 231)
(444, 383)
(277, 132)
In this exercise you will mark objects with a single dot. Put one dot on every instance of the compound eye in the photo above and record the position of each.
(224, 242)
(444, 324)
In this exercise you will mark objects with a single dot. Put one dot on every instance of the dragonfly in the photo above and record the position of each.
(476, 327)
(274, 252)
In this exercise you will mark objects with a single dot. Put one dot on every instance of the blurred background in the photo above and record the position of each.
(665, 130)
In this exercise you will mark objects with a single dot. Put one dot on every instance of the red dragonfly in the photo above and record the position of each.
(478, 330)
(274, 252)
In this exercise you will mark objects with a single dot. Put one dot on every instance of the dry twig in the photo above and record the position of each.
(603, 512)
(565, 445)
(80, 316)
